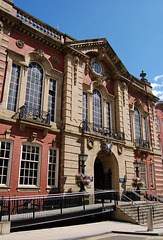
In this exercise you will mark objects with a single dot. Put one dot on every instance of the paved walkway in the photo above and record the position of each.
(81, 231)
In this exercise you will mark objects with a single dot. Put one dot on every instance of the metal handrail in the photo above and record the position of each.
(138, 208)
(155, 196)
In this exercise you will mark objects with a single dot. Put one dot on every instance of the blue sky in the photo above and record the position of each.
(134, 29)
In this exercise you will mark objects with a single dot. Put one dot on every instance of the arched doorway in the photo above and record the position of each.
(106, 174)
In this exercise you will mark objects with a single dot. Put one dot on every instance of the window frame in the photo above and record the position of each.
(9, 162)
(85, 107)
(144, 172)
(42, 87)
(152, 175)
(56, 168)
(138, 129)
(100, 114)
(108, 116)
(18, 90)
(55, 99)
(38, 168)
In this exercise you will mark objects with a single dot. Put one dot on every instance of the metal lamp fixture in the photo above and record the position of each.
(82, 158)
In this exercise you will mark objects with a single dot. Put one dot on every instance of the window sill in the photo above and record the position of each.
(4, 188)
(28, 189)
(52, 189)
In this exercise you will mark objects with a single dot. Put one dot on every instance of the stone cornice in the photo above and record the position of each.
(69, 49)
(136, 86)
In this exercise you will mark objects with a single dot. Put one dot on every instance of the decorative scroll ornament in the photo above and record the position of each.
(90, 142)
(76, 62)
(1, 27)
(120, 149)
(39, 54)
(19, 43)
(124, 88)
(96, 77)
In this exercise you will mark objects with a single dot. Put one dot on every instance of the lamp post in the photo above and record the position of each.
(137, 165)
(82, 158)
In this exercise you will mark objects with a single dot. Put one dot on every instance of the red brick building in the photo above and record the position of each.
(61, 97)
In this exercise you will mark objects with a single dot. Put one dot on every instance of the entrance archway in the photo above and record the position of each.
(106, 174)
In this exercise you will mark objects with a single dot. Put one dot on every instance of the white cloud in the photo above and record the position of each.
(156, 85)
(158, 78)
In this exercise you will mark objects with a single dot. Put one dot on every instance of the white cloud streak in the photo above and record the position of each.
(158, 78)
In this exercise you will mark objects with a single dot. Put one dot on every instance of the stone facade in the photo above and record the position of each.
(89, 104)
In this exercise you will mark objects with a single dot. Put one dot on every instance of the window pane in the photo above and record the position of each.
(29, 165)
(85, 107)
(52, 167)
(13, 88)
(151, 175)
(51, 99)
(137, 124)
(143, 173)
(108, 115)
(145, 129)
(97, 109)
(34, 84)
(4, 161)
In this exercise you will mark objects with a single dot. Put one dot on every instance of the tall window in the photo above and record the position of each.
(130, 126)
(158, 124)
(145, 129)
(52, 169)
(5, 155)
(29, 169)
(143, 173)
(51, 99)
(13, 88)
(151, 175)
(34, 86)
(97, 109)
(137, 124)
(108, 116)
(85, 107)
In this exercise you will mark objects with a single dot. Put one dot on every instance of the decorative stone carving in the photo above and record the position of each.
(55, 60)
(39, 54)
(1, 27)
(76, 62)
(22, 127)
(19, 43)
(90, 142)
(124, 88)
(54, 143)
(8, 134)
(101, 53)
(106, 146)
(120, 149)
(33, 137)
(96, 77)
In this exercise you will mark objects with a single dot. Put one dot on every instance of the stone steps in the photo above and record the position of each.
(132, 211)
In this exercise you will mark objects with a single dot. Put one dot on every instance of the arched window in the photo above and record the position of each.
(34, 86)
(137, 124)
(97, 109)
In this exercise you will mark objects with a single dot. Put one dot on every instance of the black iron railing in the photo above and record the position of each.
(32, 114)
(95, 128)
(140, 143)
(29, 210)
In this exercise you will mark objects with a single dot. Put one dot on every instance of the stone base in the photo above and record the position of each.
(4, 228)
